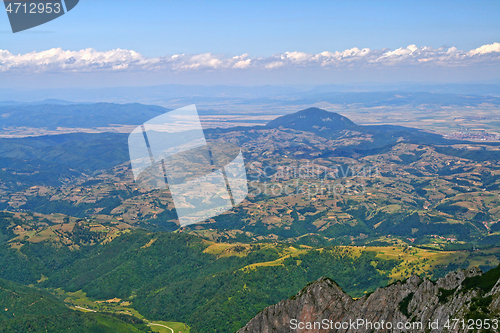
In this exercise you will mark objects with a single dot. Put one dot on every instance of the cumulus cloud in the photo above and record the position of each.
(488, 48)
(90, 60)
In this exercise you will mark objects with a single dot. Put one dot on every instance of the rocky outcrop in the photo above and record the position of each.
(414, 305)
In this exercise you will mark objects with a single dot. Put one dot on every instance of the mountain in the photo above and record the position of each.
(425, 209)
(54, 160)
(78, 151)
(313, 120)
(96, 151)
(332, 125)
(52, 115)
(446, 191)
(361, 94)
(465, 294)
(395, 98)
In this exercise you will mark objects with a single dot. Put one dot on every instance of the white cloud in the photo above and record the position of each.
(274, 64)
(60, 60)
(90, 60)
(489, 48)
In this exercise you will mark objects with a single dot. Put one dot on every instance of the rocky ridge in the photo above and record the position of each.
(413, 305)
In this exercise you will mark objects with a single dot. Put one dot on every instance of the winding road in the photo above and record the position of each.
(161, 326)
(90, 310)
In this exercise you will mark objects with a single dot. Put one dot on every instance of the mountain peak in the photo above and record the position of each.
(457, 295)
(313, 120)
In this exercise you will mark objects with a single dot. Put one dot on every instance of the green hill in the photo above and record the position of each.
(26, 309)
(177, 277)
(183, 278)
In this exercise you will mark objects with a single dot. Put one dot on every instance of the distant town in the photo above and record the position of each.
(476, 136)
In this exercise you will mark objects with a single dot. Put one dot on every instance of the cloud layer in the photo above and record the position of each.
(89, 60)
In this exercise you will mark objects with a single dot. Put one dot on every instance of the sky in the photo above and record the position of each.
(256, 42)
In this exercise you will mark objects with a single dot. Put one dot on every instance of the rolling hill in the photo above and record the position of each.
(446, 192)
(27, 309)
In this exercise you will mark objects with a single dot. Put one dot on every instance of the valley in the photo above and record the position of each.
(366, 206)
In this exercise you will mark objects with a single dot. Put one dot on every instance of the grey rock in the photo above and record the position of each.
(323, 307)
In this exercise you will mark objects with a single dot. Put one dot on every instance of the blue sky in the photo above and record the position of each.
(261, 28)
(158, 28)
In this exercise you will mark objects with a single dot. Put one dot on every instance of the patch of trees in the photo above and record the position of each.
(452, 209)
(81, 234)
